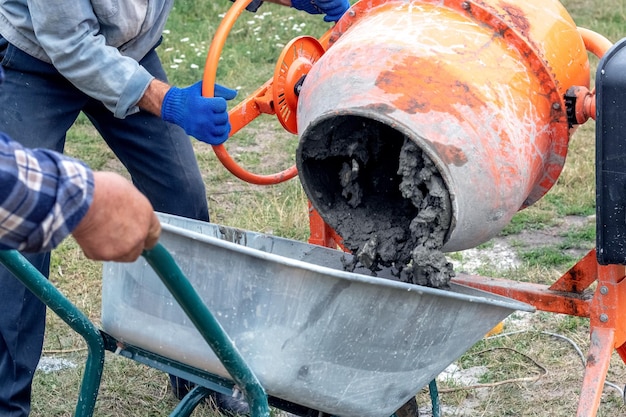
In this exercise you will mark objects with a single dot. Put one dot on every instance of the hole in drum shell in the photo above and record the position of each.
(381, 193)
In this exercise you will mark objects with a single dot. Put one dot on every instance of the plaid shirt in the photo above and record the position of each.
(43, 196)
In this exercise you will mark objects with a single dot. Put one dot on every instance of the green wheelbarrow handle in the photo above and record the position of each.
(166, 268)
(70, 314)
(184, 293)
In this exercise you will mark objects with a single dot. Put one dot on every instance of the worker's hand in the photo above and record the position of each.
(204, 118)
(333, 9)
(120, 222)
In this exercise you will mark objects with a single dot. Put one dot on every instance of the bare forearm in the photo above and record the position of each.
(152, 99)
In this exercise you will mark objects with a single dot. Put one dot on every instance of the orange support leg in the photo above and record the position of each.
(607, 333)
(595, 372)
(321, 233)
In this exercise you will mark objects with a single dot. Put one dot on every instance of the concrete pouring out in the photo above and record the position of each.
(379, 191)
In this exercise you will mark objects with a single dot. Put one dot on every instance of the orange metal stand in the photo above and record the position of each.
(321, 233)
(571, 294)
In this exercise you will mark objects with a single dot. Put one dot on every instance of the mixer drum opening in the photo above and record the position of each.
(375, 187)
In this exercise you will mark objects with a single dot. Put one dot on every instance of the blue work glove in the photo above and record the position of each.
(333, 9)
(204, 118)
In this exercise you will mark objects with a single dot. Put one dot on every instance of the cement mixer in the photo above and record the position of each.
(443, 119)
(455, 107)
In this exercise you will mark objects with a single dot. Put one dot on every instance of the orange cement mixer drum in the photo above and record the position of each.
(295, 61)
(478, 85)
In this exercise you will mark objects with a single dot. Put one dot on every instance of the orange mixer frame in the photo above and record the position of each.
(572, 294)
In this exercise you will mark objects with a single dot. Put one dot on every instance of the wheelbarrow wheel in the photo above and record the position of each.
(409, 409)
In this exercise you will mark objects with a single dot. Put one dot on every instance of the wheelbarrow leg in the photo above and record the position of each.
(189, 403)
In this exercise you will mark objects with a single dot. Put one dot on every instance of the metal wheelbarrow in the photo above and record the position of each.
(280, 320)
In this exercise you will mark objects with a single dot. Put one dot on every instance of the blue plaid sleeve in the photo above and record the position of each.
(43, 196)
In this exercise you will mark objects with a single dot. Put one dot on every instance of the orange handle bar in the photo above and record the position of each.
(208, 82)
(585, 99)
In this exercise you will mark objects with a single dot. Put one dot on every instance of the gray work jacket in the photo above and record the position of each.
(95, 44)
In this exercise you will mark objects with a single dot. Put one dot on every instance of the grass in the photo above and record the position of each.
(530, 372)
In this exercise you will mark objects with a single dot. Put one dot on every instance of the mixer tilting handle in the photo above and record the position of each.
(277, 96)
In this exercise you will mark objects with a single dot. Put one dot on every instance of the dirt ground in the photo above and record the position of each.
(502, 251)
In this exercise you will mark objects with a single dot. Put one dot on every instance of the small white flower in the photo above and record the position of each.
(184, 40)
(194, 66)
(166, 31)
(174, 66)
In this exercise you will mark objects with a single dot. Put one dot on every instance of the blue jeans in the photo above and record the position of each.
(37, 107)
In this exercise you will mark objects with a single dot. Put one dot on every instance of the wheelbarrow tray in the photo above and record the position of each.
(345, 343)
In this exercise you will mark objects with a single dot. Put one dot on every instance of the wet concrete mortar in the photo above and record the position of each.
(382, 194)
